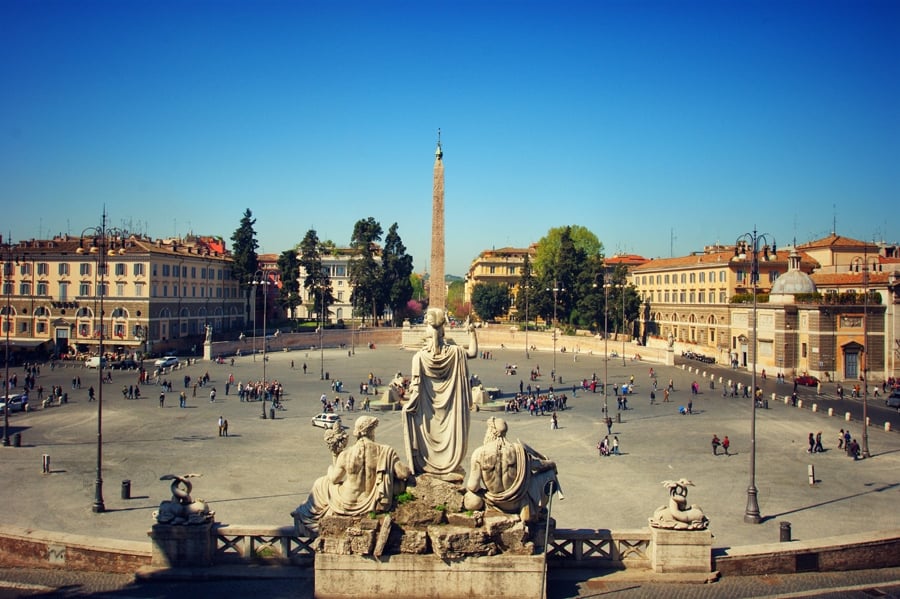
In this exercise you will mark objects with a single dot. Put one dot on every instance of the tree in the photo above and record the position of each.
(364, 271)
(549, 246)
(524, 292)
(245, 261)
(456, 300)
(317, 281)
(559, 277)
(289, 294)
(490, 300)
(397, 266)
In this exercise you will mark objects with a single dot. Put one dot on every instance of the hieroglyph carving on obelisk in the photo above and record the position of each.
(437, 289)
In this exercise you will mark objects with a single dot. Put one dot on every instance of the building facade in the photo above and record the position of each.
(155, 294)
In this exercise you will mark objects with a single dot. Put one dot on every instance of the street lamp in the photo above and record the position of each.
(865, 364)
(262, 278)
(321, 331)
(526, 288)
(606, 287)
(103, 242)
(744, 243)
(7, 290)
(556, 289)
(623, 286)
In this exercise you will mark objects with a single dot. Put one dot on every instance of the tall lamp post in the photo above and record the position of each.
(556, 289)
(526, 288)
(864, 265)
(623, 286)
(103, 245)
(7, 322)
(321, 331)
(261, 279)
(750, 242)
(606, 287)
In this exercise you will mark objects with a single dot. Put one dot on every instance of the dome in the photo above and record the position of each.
(794, 280)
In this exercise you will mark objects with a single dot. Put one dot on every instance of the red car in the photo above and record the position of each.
(807, 380)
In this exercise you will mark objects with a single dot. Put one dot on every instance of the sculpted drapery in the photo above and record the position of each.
(436, 416)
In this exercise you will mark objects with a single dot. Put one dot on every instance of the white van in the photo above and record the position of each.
(96, 362)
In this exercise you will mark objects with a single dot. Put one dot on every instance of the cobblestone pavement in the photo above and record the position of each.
(260, 473)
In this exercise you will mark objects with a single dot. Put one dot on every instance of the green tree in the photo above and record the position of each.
(525, 291)
(548, 247)
(397, 266)
(289, 295)
(317, 281)
(245, 260)
(364, 272)
(490, 300)
(418, 287)
(456, 300)
(559, 277)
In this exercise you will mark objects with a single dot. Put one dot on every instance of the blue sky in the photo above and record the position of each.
(661, 126)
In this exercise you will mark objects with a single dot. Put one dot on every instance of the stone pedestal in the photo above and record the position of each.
(414, 576)
(180, 546)
(680, 551)
(670, 357)
(207, 351)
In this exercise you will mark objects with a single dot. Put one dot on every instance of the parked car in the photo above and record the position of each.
(893, 400)
(16, 402)
(96, 362)
(166, 362)
(807, 380)
(126, 364)
(327, 420)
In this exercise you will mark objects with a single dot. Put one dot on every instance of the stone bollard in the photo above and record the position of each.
(847, 416)
(785, 532)
(811, 473)
(831, 411)
(815, 407)
(787, 399)
(682, 366)
(887, 427)
(774, 397)
(45, 463)
(800, 403)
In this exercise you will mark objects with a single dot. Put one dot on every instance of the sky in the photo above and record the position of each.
(661, 126)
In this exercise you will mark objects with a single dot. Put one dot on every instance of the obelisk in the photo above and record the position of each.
(437, 290)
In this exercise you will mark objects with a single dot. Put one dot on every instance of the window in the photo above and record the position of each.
(802, 350)
(340, 296)
(740, 276)
(139, 289)
(120, 269)
(165, 291)
(683, 278)
(773, 274)
(702, 277)
(84, 289)
(667, 296)
(25, 268)
(193, 272)
(41, 326)
(692, 296)
(102, 289)
(722, 298)
(491, 269)
(166, 270)
(701, 297)
(25, 288)
(63, 291)
(202, 273)
(43, 288)
(667, 279)
(85, 269)
(681, 297)
(722, 276)
(693, 277)
(184, 272)
(120, 289)
(43, 269)
(154, 269)
(138, 270)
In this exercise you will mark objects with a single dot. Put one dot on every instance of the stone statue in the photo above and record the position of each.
(436, 415)
(670, 340)
(363, 478)
(208, 334)
(307, 515)
(676, 515)
(395, 391)
(182, 508)
(510, 477)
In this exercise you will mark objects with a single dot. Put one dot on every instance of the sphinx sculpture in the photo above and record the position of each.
(676, 515)
(509, 477)
(182, 508)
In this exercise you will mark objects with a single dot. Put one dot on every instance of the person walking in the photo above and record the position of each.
(221, 425)
(608, 425)
(841, 439)
(212, 395)
(162, 398)
(554, 423)
(726, 444)
(182, 400)
(715, 444)
(812, 443)
(615, 445)
(224, 428)
(818, 447)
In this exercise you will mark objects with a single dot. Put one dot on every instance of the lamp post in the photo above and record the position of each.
(556, 289)
(7, 322)
(261, 278)
(606, 287)
(526, 288)
(865, 363)
(744, 243)
(321, 331)
(102, 245)
(623, 286)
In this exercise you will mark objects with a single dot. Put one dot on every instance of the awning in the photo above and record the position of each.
(26, 343)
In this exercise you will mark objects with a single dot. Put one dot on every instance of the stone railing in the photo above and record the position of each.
(235, 543)
(601, 549)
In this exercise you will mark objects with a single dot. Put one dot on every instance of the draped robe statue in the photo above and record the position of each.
(436, 415)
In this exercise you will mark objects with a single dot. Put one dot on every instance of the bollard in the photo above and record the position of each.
(831, 411)
(17, 440)
(619, 417)
(271, 413)
(785, 532)
(326, 376)
(811, 473)
(815, 407)
(126, 489)
(847, 416)
(887, 427)
(45, 463)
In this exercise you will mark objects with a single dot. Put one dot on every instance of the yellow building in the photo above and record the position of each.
(157, 295)
(501, 267)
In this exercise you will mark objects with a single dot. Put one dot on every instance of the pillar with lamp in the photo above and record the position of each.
(262, 280)
(102, 242)
(8, 259)
(556, 289)
(862, 265)
(751, 245)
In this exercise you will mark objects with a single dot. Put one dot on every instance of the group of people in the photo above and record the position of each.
(607, 447)
(815, 443)
(848, 444)
(724, 443)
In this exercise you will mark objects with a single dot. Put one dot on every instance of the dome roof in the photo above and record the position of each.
(794, 280)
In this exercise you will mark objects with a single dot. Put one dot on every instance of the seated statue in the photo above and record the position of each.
(395, 391)
(306, 517)
(676, 515)
(510, 477)
(364, 478)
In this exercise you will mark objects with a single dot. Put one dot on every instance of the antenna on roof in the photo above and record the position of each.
(672, 239)
(834, 219)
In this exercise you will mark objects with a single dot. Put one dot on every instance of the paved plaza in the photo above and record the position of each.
(264, 468)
